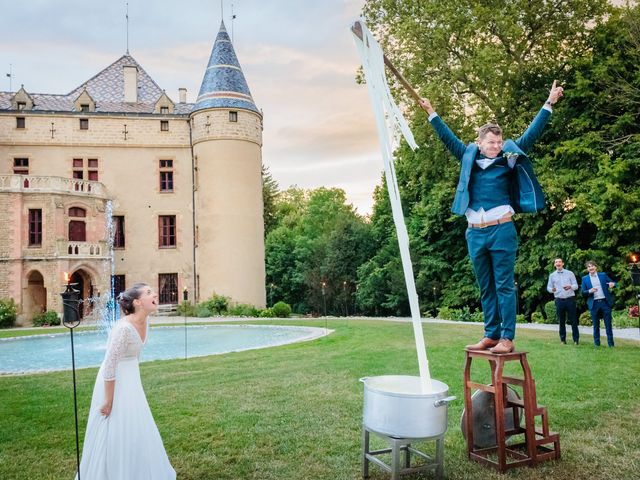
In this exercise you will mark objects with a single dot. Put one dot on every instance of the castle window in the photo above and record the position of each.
(20, 122)
(22, 105)
(168, 288)
(166, 231)
(78, 163)
(78, 174)
(118, 231)
(77, 231)
(35, 227)
(21, 166)
(233, 116)
(119, 286)
(164, 110)
(166, 175)
(84, 107)
(77, 212)
(164, 125)
(93, 169)
(84, 124)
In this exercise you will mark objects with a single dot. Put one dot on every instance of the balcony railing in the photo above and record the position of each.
(82, 249)
(46, 184)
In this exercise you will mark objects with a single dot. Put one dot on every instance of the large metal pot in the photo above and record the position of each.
(395, 405)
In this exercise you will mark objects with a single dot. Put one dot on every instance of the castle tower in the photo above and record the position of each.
(227, 147)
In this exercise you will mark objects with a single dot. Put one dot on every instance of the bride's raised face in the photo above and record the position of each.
(147, 301)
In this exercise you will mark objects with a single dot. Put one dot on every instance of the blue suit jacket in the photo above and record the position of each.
(526, 193)
(604, 282)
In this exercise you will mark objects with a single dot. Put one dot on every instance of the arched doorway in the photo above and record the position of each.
(35, 299)
(82, 280)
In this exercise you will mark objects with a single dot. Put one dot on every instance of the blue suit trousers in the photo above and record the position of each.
(493, 255)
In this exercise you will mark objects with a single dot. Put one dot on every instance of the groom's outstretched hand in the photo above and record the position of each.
(555, 93)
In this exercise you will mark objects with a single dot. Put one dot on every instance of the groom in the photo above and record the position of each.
(496, 181)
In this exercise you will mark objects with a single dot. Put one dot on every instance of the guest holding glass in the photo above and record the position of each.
(563, 284)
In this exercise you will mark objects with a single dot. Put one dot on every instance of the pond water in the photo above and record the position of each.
(39, 353)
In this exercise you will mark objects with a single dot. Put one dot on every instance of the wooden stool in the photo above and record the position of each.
(539, 443)
(396, 446)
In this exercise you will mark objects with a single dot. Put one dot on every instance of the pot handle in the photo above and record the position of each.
(444, 401)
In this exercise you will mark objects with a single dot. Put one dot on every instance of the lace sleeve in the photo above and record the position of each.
(115, 350)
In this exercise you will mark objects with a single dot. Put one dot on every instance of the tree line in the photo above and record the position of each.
(480, 62)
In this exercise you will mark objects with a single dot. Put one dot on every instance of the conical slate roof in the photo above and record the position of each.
(224, 85)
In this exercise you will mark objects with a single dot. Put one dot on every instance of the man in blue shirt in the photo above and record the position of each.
(496, 181)
(563, 284)
(596, 287)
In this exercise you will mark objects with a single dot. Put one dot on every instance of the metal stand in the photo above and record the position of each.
(396, 446)
(539, 443)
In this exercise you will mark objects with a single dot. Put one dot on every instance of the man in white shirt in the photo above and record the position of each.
(562, 283)
(596, 286)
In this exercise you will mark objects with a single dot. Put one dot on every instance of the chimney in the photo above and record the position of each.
(130, 83)
(182, 94)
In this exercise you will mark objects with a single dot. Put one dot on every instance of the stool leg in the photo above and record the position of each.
(395, 459)
(407, 457)
(365, 450)
(440, 457)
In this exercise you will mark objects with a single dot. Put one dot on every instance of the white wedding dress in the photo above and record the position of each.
(126, 445)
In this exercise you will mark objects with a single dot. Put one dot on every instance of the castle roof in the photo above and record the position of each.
(107, 90)
(224, 85)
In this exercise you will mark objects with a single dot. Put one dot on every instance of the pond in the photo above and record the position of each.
(40, 353)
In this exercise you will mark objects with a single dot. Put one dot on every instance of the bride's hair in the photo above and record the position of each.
(126, 298)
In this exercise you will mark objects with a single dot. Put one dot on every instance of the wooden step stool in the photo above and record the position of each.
(539, 443)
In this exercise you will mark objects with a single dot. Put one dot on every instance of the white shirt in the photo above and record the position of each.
(558, 280)
(595, 283)
(482, 216)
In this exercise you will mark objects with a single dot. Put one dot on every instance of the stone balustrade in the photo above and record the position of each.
(47, 184)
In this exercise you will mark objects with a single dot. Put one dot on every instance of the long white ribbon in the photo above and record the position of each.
(391, 124)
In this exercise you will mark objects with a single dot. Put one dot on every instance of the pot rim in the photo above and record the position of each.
(438, 388)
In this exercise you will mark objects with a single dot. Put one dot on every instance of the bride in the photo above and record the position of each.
(122, 441)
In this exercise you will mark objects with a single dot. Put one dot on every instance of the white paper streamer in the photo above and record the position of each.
(391, 124)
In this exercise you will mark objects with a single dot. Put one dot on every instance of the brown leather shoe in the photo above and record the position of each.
(485, 344)
(504, 346)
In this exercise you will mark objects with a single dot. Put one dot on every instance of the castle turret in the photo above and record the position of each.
(227, 145)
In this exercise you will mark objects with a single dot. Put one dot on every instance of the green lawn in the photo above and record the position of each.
(295, 412)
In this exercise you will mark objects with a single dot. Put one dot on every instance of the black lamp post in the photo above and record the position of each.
(517, 298)
(324, 304)
(344, 292)
(71, 319)
(634, 270)
(185, 297)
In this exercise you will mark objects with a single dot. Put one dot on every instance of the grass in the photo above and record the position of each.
(295, 412)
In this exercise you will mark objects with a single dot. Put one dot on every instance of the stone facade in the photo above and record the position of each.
(94, 151)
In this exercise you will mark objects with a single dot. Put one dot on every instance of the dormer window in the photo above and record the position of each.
(164, 110)
(22, 105)
(233, 116)
(84, 107)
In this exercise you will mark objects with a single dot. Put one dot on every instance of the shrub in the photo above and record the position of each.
(267, 313)
(217, 304)
(281, 309)
(445, 313)
(520, 318)
(621, 319)
(202, 310)
(585, 319)
(537, 317)
(186, 309)
(243, 310)
(47, 318)
(8, 312)
(634, 311)
(550, 312)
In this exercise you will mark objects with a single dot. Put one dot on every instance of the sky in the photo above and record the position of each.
(298, 57)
